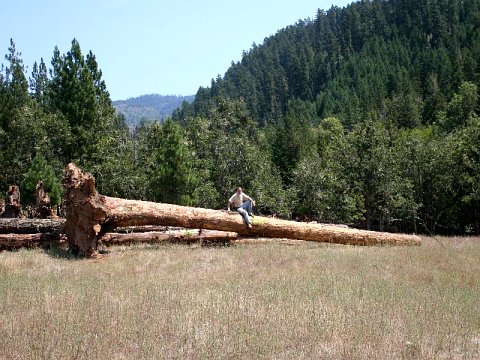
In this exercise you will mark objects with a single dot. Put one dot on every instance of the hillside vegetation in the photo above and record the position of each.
(365, 115)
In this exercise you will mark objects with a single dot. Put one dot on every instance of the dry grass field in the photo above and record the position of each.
(269, 301)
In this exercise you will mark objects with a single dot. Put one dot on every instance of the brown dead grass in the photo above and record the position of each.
(245, 301)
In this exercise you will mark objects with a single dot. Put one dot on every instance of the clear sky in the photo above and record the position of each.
(146, 46)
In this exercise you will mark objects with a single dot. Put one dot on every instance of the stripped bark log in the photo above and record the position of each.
(177, 236)
(90, 215)
(17, 241)
(141, 229)
(31, 226)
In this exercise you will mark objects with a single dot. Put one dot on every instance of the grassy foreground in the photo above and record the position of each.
(266, 301)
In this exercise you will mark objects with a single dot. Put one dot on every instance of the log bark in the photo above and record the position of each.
(90, 215)
(177, 236)
(31, 226)
(17, 241)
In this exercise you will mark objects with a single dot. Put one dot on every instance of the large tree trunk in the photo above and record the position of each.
(90, 215)
(31, 226)
(176, 236)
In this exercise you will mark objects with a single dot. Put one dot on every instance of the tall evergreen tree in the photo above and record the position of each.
(39, 83)
(293, 138)
(14, 94)
(173, 180)
(41, 170)
(77, 91)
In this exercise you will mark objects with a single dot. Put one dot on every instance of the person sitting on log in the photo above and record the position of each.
(243, 204)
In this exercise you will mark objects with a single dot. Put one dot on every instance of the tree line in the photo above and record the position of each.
(366, 115)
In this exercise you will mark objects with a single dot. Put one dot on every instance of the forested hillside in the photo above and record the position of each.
(348, 62)
(366, 115)
(149, 107)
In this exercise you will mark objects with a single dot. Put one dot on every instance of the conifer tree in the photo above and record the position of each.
(14, 94)
(41, 170)
(293, 138)
(78, 92)
(39, 83)
(172, 179)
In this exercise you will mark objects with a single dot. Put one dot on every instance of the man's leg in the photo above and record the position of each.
(244, 214)
(248, 206)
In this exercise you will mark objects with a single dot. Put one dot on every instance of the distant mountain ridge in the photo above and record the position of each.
(149, 107)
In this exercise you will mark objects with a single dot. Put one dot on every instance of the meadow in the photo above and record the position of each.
(269, 300)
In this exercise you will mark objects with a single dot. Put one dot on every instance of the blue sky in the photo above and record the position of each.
(144, 47)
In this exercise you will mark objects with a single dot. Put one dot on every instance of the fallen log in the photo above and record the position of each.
(268, 241)
(17, 241)
(141, 229)
(31, 226)
(177, 236)
(90, 215)
(56, 225)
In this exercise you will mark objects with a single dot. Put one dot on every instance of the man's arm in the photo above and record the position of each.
(249, 198)
(230, 202)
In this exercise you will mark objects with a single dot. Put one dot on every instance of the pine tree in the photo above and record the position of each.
(172, 179)
(293, 138)
(78, 92)
(39, 83)
(14, 94)
(41, 170)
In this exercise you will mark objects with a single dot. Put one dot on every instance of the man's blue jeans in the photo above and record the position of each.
(245, 209)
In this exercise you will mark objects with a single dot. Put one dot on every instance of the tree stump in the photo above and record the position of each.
(12, 203)
(43, 207)
(85, 211)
